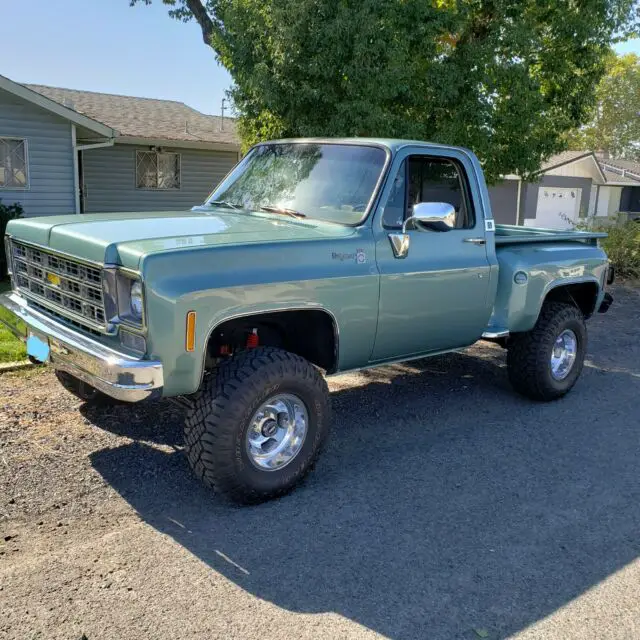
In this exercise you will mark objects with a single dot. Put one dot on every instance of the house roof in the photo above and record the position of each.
(145, 118)
(80, 119)
(618, 178)
(621, 170)
(569, 157)
(563, 158)
(617, 172)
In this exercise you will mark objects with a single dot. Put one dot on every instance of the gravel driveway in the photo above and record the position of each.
(444, 507)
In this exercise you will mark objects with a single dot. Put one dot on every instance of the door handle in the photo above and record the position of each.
(476, 240)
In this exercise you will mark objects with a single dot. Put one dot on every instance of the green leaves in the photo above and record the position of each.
(506, 78)
(615, 122)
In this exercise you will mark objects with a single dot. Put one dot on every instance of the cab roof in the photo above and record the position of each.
(393, 144)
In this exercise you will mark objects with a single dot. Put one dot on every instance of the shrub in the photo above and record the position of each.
(622, 244)
(7, 212)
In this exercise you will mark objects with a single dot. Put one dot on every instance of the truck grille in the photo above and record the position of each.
(71, 289)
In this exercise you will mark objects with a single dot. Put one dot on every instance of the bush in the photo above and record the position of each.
(622, 244)
(7, 212)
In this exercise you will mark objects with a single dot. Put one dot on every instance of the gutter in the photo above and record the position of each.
(180, 144)
(97, 145)
(76, 171)
(518, 201)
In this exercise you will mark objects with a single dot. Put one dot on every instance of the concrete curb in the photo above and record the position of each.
(15, 366)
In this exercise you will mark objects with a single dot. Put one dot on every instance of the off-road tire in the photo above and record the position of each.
(529, 353)
(83, 391)
(221, 411)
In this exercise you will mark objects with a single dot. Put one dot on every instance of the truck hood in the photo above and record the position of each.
(124, 238)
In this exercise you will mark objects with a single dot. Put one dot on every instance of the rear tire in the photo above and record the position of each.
(222, 420)
(545, 363)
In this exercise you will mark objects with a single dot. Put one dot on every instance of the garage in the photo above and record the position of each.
(557, 208)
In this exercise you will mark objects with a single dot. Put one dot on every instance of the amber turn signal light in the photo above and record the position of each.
(190, 343)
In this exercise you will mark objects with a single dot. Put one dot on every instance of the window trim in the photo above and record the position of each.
(135, 170)
(25, 141)
(462, 176)
(404, 163)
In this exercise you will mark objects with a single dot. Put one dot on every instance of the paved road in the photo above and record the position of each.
(444, 507)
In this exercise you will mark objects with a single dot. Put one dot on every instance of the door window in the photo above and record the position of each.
(428, 179)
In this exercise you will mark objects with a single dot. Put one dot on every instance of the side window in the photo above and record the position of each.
(440, 180)
(428, 179)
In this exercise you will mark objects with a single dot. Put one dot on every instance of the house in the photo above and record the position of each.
(65, 151)
(571, 186)
(622, 191)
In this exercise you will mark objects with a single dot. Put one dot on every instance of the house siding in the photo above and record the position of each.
(530, 198)
(49, 157)
(504, 201)
(109, 179)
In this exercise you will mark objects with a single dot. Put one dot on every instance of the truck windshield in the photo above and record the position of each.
(332, 182)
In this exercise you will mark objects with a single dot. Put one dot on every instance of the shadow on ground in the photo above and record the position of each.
(443, 503)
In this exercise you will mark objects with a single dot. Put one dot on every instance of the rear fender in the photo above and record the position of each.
(529, 274)
(528, 319)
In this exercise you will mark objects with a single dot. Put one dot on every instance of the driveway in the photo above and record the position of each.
(445, 507)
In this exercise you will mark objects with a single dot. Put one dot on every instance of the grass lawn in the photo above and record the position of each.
(11, 349)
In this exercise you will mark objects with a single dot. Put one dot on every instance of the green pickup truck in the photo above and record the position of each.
(312, 257)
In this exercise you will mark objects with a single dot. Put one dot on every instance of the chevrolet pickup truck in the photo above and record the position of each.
(312, 257)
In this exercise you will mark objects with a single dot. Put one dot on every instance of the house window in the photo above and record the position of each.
(157, 170)
(14, 173)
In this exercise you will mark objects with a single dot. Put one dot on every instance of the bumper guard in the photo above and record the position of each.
(116, 374)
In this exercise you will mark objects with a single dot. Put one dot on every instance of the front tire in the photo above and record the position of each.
(545, 363)
(257, 425)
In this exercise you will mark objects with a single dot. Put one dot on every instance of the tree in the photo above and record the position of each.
(507, 78)
(615, 124)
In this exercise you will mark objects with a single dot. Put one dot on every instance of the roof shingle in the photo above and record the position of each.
(146, 118)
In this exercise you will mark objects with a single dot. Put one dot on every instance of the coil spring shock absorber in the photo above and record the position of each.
(252, 339)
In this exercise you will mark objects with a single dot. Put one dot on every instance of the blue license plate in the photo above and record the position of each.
(37, 348)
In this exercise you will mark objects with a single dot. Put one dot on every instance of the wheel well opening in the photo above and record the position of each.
(582, 294)
(311, 334)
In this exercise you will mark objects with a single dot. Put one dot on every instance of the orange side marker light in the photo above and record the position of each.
(190, 343)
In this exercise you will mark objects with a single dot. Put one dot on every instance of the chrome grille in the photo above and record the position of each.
(72, 289)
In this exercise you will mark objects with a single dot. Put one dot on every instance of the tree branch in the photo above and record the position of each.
(202, 18)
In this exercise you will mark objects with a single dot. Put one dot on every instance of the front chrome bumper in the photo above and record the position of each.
(115, 374)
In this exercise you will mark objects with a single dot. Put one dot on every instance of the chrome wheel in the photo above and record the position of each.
(563, 354)
(277, 431)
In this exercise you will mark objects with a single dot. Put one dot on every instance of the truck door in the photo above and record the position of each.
(438, 296)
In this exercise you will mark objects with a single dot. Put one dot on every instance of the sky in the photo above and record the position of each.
(108, 46)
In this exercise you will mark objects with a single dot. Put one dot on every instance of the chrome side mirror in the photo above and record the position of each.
(436, 216)
(433, 216)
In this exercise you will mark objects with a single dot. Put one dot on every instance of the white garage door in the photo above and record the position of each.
(557, 207)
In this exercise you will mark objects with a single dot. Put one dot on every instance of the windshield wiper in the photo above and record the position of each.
(223, 203)
(283, 210)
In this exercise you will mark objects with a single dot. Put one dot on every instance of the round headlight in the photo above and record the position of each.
(136, 300)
